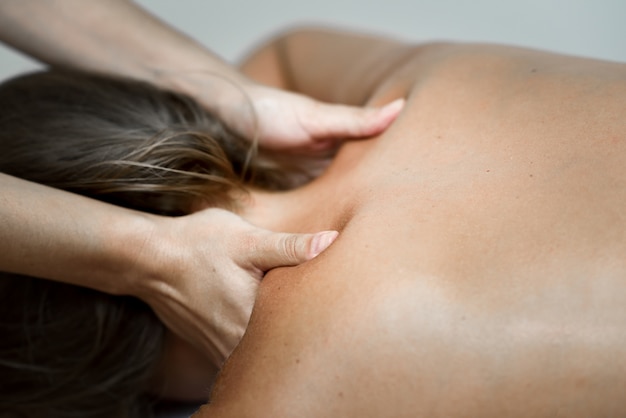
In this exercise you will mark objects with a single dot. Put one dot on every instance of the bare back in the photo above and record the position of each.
(481, 266)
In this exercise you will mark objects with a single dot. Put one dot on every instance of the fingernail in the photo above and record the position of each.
(321, 241)
(393, 107)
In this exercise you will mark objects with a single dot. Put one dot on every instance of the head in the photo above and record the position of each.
(67, 351)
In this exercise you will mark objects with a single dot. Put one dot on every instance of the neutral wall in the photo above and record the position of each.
(595, 28)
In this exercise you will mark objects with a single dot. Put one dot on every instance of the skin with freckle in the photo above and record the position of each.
(481, 266)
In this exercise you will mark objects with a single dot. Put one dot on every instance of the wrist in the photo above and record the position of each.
(213, 86)
(227, 95)
(154, 258)
(131, 262)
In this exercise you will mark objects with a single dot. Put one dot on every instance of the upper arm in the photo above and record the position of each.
(332, 66)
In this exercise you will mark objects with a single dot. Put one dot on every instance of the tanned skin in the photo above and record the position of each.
(480, 269)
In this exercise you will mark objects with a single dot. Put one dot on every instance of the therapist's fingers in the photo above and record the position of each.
(283, 249)
(294, 123)
(329, 122)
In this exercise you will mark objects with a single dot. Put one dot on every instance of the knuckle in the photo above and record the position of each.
(290, 247)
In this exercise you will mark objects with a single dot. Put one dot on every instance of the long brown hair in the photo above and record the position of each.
(66, 351)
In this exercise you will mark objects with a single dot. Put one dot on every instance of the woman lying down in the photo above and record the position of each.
(480, 268)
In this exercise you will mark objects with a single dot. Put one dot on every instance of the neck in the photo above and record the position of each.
(325, 203)
(270, 210)
(322, 204)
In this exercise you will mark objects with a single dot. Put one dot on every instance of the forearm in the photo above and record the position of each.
(60, 236)
(115, 37)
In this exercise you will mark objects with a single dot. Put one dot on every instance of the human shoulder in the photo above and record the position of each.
(330, 339)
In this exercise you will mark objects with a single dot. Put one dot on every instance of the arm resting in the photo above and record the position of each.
(329, 65)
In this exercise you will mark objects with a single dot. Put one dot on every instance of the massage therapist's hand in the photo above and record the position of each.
(79, 35)
(209, 267)
(290, 121)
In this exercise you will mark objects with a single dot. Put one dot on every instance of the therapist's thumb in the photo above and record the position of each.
(281, 249)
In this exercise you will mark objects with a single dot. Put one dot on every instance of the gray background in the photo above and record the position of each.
(595, 28)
